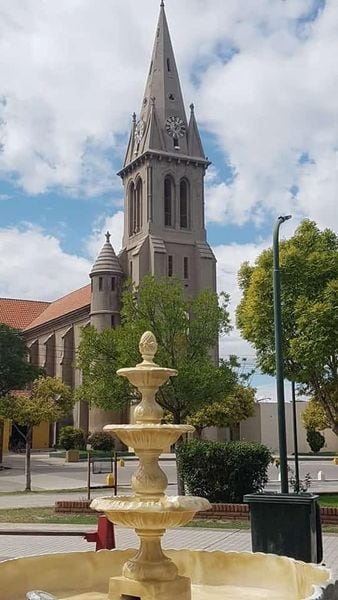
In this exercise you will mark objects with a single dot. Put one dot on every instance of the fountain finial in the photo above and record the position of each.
(148, 347)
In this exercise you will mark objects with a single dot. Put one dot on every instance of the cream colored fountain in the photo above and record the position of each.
(150, 574)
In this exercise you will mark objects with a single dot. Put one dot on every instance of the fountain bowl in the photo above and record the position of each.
(150, 436)
(138, 513)
(215, 575)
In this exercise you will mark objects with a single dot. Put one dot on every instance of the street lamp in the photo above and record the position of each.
(279, 357)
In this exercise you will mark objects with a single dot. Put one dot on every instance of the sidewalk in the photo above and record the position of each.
(186, 537)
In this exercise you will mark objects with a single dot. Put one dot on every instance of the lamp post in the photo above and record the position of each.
(279, 358)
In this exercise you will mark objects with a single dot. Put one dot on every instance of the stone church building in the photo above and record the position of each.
(164, 231)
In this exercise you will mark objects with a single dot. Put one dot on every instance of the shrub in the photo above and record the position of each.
(223, 472)
(101, 440)
(71, 438)
(315, 440)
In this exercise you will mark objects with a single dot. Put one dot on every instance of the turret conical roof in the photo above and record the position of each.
(107, 261)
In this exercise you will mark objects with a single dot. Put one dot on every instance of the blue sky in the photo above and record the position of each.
(263, 78)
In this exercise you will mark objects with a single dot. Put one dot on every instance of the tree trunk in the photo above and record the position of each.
(1, 440)
(29, 436)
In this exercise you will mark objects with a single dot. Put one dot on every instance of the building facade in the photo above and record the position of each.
(164, 230)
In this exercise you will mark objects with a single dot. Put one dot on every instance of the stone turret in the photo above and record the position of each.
(106, 283)
(106, 276)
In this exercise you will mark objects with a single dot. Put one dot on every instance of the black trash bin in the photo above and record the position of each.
(286, 524)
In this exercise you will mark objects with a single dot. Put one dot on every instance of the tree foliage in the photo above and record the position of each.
(187, 333)
(15, 370)
(48, 400)
(314, 416)
(98, 359)
(315, 440)
(232, 409)
(309, 297)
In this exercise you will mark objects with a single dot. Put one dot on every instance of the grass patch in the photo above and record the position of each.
(44, 515)
(328, 500)
(58, 491)
(48, 516)
(218, 524)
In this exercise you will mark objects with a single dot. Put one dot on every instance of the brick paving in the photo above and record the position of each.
(193, 538)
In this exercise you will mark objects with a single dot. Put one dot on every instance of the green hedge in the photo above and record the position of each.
(223, 472)
(71, 438)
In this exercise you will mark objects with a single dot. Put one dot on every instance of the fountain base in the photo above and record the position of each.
(120, 587)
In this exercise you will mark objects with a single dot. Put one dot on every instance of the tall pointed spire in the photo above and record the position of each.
(163, 93)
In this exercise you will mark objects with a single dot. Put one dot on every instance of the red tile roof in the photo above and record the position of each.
(67, 304)
(20, 313)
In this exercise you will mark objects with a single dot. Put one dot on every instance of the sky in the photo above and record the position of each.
(263, 76)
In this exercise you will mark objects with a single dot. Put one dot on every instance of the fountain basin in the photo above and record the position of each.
(215, 575)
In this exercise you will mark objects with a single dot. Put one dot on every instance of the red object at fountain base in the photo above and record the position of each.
(104, 536)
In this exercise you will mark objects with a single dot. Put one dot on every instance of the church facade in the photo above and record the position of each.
(164, 227)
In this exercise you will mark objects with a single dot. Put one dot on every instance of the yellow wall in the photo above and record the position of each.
(40, 436)
(6, 435)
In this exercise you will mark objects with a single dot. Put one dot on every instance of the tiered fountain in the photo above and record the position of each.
(150, 574)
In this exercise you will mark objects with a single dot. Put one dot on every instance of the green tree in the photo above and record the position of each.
(309, 297)
(15, 370)
(228, 412)
(187, 333)
(98, 359)
(49, 400)
(314, 416)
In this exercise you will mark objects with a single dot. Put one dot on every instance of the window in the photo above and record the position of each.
(100, 283)
(168, 65)
(112, 321)
(131, 208)
(135, 207)
(185, 267)
(170, 266)
(131, 269)
(113, 284)
(176, 143)
(168, 202)
(184, 204)
(138, 206)
(91, 285)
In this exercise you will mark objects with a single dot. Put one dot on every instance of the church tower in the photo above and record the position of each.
(163, 178)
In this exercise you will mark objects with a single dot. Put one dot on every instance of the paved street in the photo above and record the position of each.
(53, 473)
(206, 539)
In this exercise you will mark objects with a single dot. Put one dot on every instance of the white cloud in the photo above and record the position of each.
(73, 71)
(114, 225)
(229, 259)
(273, 110)
(33, 266)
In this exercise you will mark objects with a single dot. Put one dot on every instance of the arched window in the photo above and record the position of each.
(168, 202)
(138, 206)
(131, 208)
(184, 204)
